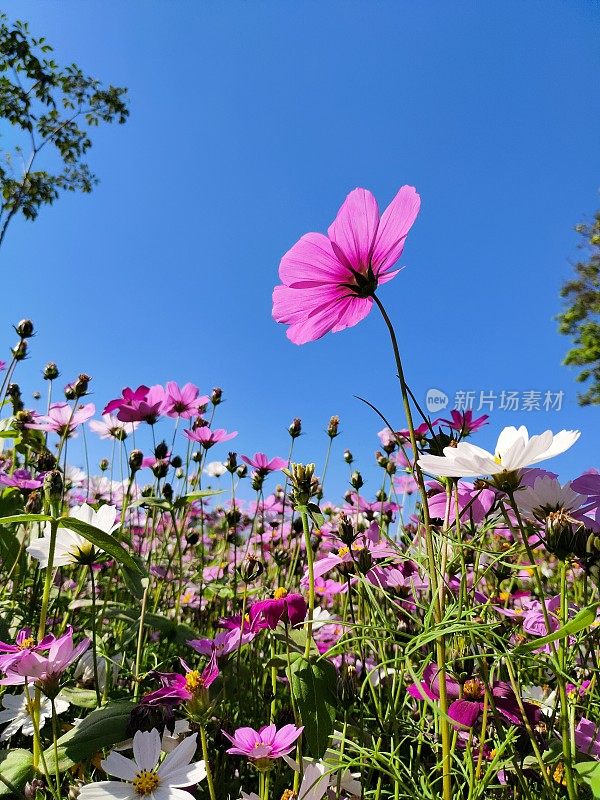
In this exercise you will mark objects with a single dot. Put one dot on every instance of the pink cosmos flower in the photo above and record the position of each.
(177, 688)
(284, 607)
(21, 479)
(327, 282)
(468, 698)
(473, 504)
(224, 643)
(46, 669)
(24, 644)
(263, 465)
(62, 419)
(463, 422)
(207, 437)
(128, 397)
(184, 401)
(267, 743)
(587, 738)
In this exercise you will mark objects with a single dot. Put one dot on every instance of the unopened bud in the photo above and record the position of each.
(333, 427)
(136, 458)
(348, 457)
(51, 372)
(53, 486)
(250, 569)
(24, 329)
(356, 480)
(216, 396)
(295, 428)
(104, 464)
(19, 351)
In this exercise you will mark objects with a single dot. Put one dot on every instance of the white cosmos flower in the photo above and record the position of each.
(16, 713)
(70, 547)
(547, 495)
(145, 775)
(215, 469)
(514, 450)
(112, 428)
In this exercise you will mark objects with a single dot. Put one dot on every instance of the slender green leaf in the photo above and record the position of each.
(314, 686)
(104, 541)
(583, 619)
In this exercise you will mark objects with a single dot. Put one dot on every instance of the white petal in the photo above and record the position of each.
(187, 776)
(120, 767)
(146, 748)
(178, 758)
(107, 790)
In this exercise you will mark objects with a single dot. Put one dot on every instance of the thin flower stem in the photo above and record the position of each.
(209, 776)
(438, 610)
(94, 638)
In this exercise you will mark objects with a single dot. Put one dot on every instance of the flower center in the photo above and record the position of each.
(193, 680)
(145, 782)
(26, 643)
(473, 689)
(280, 593)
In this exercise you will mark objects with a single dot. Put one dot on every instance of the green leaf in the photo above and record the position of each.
(21, 519)
(10, 549)
(313, 683)
(583, 619)
(102, 728)
(316, 514)
(102, 540)
(135, 581)
(589, 774)
(83, 698)
(189, 498)
(15, 766)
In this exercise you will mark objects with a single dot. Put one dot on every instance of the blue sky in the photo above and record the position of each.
(250, 121)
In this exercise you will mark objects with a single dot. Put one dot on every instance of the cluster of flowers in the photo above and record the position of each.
(436, 637)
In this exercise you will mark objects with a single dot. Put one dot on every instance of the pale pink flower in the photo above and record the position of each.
(62, 419)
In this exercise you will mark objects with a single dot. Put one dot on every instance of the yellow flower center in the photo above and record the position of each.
(193, 680)
(498, 459)
(145, 782)
(473, 689)
(27, 643)
(558, 776)
(504, 596)
(279, 593)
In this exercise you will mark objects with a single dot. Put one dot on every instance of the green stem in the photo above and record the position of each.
(209, 776)
(429, 546)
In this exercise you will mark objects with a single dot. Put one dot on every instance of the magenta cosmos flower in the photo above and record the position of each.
(21, 479)
(207, 437)
(265, 744)
(283, 607)
(263, 464)
(184, 401)
(62, 419)
(327, 282)
(468, 698)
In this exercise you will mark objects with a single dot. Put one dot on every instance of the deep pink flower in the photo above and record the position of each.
(263, 465)
(327, 282)
(265, 744)
(143, 409)
(21, 479)
(468, 698)
(224, 643)
(207, 437)
(128, 397)
(463, 423)
(184, 401)
(177, 688)
(284, 607)
(62, 419)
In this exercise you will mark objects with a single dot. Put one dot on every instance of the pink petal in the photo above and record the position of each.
(396, 221)
(355, 227)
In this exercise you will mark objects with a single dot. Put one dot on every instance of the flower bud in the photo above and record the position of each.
(364, 561)
(104, 464)
(560, 533)
(333, 427)
(176, 462)
(51, 372)
(302, 479)
(81, 385)
(53, 486)
(24, 329)
(19, 351)
(346, 530)
(295, 428)
(231, 463)
(135, 460)
(348, 457)
(241, 471)
(167, 492)
(161, 450)
(356, 480)
(216, 396)
(250, 569)
(34, 503)
(45, 461)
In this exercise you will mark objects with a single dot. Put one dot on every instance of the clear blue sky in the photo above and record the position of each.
(250, 121)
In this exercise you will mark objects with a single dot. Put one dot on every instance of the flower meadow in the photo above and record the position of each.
(186, 621)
